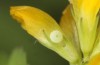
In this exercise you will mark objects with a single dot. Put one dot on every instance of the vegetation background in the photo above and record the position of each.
(12, 35)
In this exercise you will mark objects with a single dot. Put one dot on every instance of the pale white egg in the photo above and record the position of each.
(56, 36)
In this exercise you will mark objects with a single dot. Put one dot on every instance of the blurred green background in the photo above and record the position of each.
(12, 35)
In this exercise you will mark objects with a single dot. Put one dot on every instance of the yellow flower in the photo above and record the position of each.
(45, 29)
(77, 35)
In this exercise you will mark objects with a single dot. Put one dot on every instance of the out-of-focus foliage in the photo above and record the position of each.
(18, 57)
(3, 58)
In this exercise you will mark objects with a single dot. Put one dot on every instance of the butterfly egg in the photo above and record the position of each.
(56, 36)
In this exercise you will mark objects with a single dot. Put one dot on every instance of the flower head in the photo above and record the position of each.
(45, 29)
(77, 34)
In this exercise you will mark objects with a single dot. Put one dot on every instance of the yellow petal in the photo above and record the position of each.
(96, 48)
(67, 22)
(87, 9)
(76, 6)
(90, 8)
(76, 3)
(68, 26)
(34, 21)
(95, 60)
(87, 22)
